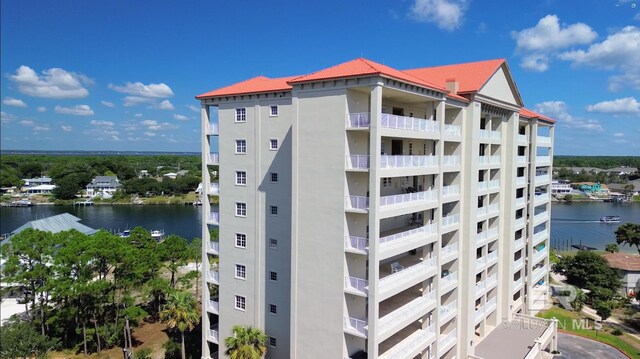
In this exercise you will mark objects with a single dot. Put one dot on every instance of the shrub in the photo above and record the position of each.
(617, 332)
(144, 353)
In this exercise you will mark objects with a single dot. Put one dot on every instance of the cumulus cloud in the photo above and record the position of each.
(149, 134)
(621, 106)
(179, 117)
(10, 101)
(41, 128)
(153, 125)
(136, 100)
(160, 90)
(99, 123)
(166, 105)
(558, 110)
(42, 109)
(193, 108)
(6, 117)
(27, 123)
(52, 83)
(107, 103)
(539, 43)
(138, 115)
(77, 110)
(66, 128)
(620, 52)
(446, 14)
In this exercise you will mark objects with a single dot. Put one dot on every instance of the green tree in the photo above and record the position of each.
(181, 313)
(246, 343)
(67, 187)
(21, 340)
(157, 289)
(629, 234)
(578, 301)
(603, 309)
(174, 252)
(195, 253)
(590, 271)
(612, 248)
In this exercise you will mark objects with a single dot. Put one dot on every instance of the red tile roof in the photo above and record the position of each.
(470, 76)
(254, 85)
(624, 261)
(524, 112)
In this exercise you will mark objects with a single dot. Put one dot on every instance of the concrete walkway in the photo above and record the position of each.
(574, 347)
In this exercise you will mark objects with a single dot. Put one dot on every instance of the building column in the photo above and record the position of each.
(206, 149)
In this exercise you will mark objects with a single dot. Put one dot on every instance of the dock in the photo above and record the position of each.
(83, 203)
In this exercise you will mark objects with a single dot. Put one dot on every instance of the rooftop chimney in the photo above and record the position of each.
(452, 85)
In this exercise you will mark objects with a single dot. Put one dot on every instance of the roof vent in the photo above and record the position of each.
(452, 85)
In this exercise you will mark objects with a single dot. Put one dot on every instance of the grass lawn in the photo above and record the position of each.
(629, 345)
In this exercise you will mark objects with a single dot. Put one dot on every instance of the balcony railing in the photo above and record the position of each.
(450, 220)
(492, 208)
(448, 280)
(518, 263)
(487, 308)
(448, 251)
(517, 284)
(214, 277)
(424, 196)
(489, 160)
(357, 285)
(357, 244)
(452, 130)
(214, 188)
(357, 162)
(213, 158)
(488, 134)
(485, 185)
(522, 138)
(538, 273)
(214, 247)
(411, 345)
(407, 275)
(409, 123)
(358, 120)
(446, 340)
(447, 310)
(538, 236)
(451, 190)
(355, 326)
(542, 179)
(213, 218)
(537, 256)
(541, 198)
(522, 160)
(540, 217)
(483, 236)
(520, 201)
(213, 333)
(214, 306)
(521, 181)
(406, 311)
(481, 263)
(213, 129)
(519, 222)
(408, 161)
(402, 237)
(543, 161)
(357, 203)
(519, 243)
(451, 160)
(543, 141)
(492, 256)
(491, 280)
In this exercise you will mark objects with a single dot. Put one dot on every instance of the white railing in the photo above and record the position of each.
(409, 123)
(450, 220)
(213, 158)
(213, 332)
(407, 347)
(537, 256)
(450, 190)
(522, 138)
(214, 188)
(484, 185)
(520, 201)
(519, 222)
(452, 130)
(492, 279)
(356, 284)
(542, 178)
(357, 162)
(427, 196)
(517, 283)
(489, 160)
(543, 141)
(540, 217)
(214, 276)
(357, 202)
(481, 286)
(214, 218)
(213, 129)
(521, 180)
(492, 256)
(481, 263)
(357, 243)
(407, 275)
(519, 243)
(408, 161)
(494, 135)
(429, 228)
(541, 197)
(446, 310)
(539, 235)
(406, 311)
(214, 306)
(491, 305)
(446, 340)
(483, 236)
(449, 279)
(488, 209)
(358, 120)
(522, 159)
(519, 262)
(543, 161)
(447, 251)
(214, 247)
(354, 325)
(451, 160)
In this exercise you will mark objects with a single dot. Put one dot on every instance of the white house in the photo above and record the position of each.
(103, 185)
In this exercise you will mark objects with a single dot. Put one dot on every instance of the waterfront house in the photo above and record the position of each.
(592, 187)
(103, 186)
(629, 266)
(40, 189)
(30, 182)
(560, 187)
(143, 174)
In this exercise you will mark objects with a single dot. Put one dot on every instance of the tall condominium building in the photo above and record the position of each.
(365, 209)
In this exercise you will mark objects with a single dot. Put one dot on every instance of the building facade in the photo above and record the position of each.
(103, 186)
(366, 209)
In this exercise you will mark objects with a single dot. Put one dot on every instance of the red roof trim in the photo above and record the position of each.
(525, 112)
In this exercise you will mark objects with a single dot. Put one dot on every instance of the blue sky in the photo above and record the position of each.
(122, 75)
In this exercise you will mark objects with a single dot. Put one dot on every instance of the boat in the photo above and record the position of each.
(126, 233)
(610, 219)
(21, 203)
(157, 234)
(583, 247)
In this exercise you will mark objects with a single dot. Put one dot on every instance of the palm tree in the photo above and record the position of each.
(246, 343)
(181, 312)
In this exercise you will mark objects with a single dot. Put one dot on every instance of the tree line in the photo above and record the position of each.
(82, 292)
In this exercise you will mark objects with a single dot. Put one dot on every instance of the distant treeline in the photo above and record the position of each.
(604, 162)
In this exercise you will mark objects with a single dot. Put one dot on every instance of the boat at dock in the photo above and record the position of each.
(610, 219)
(21, 203)
(158, 235)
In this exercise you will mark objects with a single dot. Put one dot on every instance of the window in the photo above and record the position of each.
(273, 144)
(241, 146)
(241, 240)
(241, 209)
(274, 111)
(273, 276)
(274, 177)
(241, 271)
(273, 243)
(241, 302)
(273, 210)
(273, 309)
(241, 114)
(386, 182)
(272, 342)
(241, 178)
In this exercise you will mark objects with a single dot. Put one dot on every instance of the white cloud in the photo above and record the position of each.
(41, 128)
(193, 108)
(540, 42)
(66, 128)
(138, 115)
(619, 52)
(166, 105)
(153, 125)
(179, 117)
(77, 110)
(135, 100)
(618, 134)
(626, 105)
(42, 109)
(558, 110)
(54, 83)
(107, 103)
(149, 122)
(149, 134)
(27, 123)
(160, 90)
(6, 117)
(10, 101)
(446, 14)
(99, 123)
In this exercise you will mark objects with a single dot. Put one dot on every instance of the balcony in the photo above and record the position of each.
(405, 315)
(448, 282)
(213, 277)
(490, 209)
(480, 263)
(448, 252)
(398, 242)
(519, 222)
(357, 203)
(451, 190)
(357, 162)
(489, 160)
(451, 160)
(213, 129)
(517, 284)
(452, 130)
(356, 286)
(540, 255)
(357, 245)
(358, 120)
(448, 311)
(213, 159)
(539, 236)
(543, 161)
(213, 334)
(355, 327)
(520, 201)
(214, 188)
(486, 235)
(543, 141)
(490, 135)
(214, 247)
(450, 220)
(213, 307)
(540, 217)
(521, 160)
(492, 280)
(396, 122)
(485, 310)
(523, 139)
(446, 342)
(492, 257)
(518, 263)
(521, 181)
(519, 243)
(541, 198)
(488, 185)
(411, 345)
(408, 161)
(538, 274)
(213, 218)
(403, 201)
(542, 179)
(406, 276)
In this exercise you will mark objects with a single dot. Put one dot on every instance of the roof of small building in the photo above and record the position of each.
(625, 261)
(57, 223)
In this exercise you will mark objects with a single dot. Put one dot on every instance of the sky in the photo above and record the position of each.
(122, 75)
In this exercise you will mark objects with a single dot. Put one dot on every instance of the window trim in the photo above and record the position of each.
(244, 114)
(235, 273)
(271, 110)
(271, 141)
(245, 210)
(245, 178)
(236, 146)
(243, 300)
(245, 241)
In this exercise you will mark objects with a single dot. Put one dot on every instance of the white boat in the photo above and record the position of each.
(610, 219)
(157, 234)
